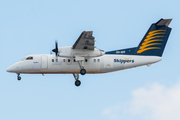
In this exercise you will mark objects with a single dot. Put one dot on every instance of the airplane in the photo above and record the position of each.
(84, 58)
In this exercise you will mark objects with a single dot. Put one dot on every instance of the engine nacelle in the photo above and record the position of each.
(69, 52)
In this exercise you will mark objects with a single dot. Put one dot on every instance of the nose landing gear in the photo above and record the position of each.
(18, 77)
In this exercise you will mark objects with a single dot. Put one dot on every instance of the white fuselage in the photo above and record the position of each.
(50, 64)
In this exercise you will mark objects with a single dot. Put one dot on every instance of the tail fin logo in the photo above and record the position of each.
(152, 39)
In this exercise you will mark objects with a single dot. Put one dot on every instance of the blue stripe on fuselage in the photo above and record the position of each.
(128, 51)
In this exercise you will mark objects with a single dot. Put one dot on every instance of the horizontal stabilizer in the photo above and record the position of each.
(163, 22)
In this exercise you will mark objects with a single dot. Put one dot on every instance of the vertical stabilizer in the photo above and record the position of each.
(155, 39)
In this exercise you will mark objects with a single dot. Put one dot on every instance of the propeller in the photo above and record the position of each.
(56, 49)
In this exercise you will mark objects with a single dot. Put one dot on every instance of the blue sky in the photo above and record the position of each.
(31, 27)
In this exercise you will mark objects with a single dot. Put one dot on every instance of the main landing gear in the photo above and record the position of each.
(82, 71)
(18, 77)
(77, 82)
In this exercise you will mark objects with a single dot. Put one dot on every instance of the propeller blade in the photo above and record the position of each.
(56, 48)
(56, 53)
(56, 45)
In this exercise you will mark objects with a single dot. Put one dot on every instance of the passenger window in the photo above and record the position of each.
(94, 60)
(86, 60)
(98, 60)
(74, 60)
(52, 60)
(69, 60)
(29, 58)
(64, 60)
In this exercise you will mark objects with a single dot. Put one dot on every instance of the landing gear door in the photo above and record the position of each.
(44, 62)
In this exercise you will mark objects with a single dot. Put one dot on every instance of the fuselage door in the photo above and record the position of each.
(108, 63)
(44, 62)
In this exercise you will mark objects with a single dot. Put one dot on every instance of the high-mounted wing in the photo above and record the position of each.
(85, 41)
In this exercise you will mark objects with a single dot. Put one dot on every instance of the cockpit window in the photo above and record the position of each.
(29, 58)
(23, 59)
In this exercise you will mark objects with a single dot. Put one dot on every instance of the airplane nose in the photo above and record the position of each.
(12, 68)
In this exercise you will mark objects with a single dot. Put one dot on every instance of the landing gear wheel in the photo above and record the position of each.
(82, 71)
(19, 78)
(78, 83)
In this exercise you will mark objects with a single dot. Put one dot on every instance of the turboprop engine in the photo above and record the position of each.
(69, 52)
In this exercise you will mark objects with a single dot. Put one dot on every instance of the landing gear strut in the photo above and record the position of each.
(82, 71)
(77, 82)
(18, 77)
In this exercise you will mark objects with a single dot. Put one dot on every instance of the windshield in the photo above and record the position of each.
(23, 59)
